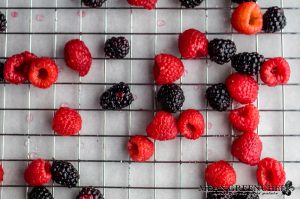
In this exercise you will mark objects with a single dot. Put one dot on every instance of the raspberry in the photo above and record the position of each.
(148, 4)
(218, 97)
(191, 124)
(167, 69)
(243, 1)
(190, 3)
(93, 3)
(116, 97)
(66, 121)
(221, 50)
(116, 47)
(1, 173)
(244, 119)
(275, 71)
(247, 148)
(220, 175)
(43, 72)
(162, 127)
(270, 174)
(140, 148)
(247, 18)
(16, 67)
(38, 172)
(192, 44)
(170, 97)
(89, 193)
(2, 22)
(78, 56)
(40, 193)
(247, 63)
(64, 173)
(274, 20)
(242, 88)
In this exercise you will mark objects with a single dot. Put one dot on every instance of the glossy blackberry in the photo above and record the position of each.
(245, 193)
(89, 192)
(116, 97)
(219, 195)
(40, 193)
(2, 22)
(93, 3)
(218, 97)
(190, 3)
(64, 173)
(221, 50)
(243, 1)
(116, 47)
(170, 97)
(2, 72)
(274, 20)
(247, 63)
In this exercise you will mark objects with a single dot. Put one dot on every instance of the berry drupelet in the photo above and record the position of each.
(274, 20)
(243, 1)
(170, 97)
(190, 3)
(89, 193)
(218, 97)
(247, 63)
(40, 193)
(2, 22)
(64, 173)
(116, 97)
(221, 50)
(116, 47)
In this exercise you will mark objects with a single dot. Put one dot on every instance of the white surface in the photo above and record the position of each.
(93, 148)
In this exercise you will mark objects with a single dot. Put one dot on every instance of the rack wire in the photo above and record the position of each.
(98, 152)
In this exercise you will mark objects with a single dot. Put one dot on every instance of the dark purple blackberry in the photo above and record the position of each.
(116, 97)
(2, 72)
(219, 195)
(221, 50)
(2, 22)
(247, 63)
(89, 192)
(93, 3)
(40, 193)
(218, 97)
(274, 20)
(64, 173)
(116, 47)
(243, 1)
(170, 97)
(245, 193)
(190, 3)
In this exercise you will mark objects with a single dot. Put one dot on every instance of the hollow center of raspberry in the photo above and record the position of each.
(269, 176)
(274, 70)
(191, 127)
(134, 149)
(43, 74)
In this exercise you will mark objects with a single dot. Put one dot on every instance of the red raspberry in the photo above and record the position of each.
(191, 124)
(16, 67)
(162, 127)
(275, 71)
(38, 173)
(167, 69)
(270, 173)
(43, 72)
(192, 44)
(245, 119)
(1, 173)
(247, 148)
(242, 88)
(140, 148)
(78, 56)
(66, 121)
(148, 4)
(247, 18)
(220, 175)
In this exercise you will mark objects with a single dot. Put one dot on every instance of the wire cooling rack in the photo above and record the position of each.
(176, 170)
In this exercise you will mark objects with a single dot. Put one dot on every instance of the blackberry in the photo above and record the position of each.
(243, 1)
(93, 3)
(64, 173)
(221, 50)
(190, 3)
(245, 193)
(274, 20)
(247, 63)
(219, 195)
(116, 97)
(218, 97)
(2, 72)
(89, 192)
(170, 97)
(2, 22)
(40, 193)
(116, 47)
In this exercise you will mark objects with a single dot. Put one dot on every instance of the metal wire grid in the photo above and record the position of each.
(104, 186)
